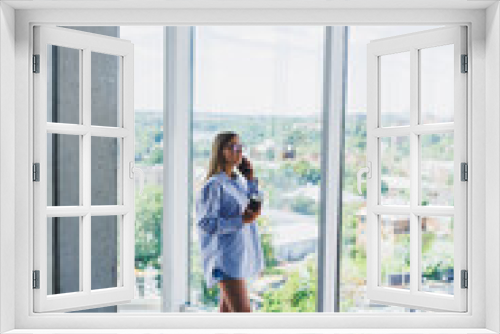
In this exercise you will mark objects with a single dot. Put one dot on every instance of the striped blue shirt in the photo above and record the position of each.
(225, 241)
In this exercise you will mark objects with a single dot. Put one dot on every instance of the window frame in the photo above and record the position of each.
(413, 44)
(25, 19)
(178, 96)
(85, 210)
(332, 164)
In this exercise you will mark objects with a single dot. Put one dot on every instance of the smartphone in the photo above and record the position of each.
(243, 167)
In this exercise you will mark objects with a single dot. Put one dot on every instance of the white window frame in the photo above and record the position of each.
(413, 44)
(25, 19)
(177, 104)
(85, 297)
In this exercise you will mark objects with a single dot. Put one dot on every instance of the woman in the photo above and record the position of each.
(228, 235)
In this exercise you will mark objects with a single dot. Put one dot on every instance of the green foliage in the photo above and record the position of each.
(148, 227)
(304, 205)
(384, 187)
(306, 172)
(437, 255)
(210, 297)
(298, 294)
(155, 157)
(270, 260)
(295, 137)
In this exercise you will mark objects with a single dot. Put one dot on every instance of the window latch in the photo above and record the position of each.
(140, 172)
(368, 171)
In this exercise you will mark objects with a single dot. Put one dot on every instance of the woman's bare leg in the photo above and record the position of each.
(234, 292)
(224, 306)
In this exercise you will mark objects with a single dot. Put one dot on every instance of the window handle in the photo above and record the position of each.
(140, 173)
(368, 171)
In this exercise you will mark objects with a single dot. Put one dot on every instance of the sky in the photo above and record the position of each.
(267, 69)
(359, 37)
(148, 65)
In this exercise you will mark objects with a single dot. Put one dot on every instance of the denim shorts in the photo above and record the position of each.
(217, 273)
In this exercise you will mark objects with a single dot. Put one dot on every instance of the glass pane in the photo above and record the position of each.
(395, 251)
(395, 170)
(437, 169)
(106, 79)
(106, 241)
(63, 170)
(437, 254)
(395, 89)
(63, 84)
(437, 84)
(106, 171)
(63, 255)
(149, 143)
(264, 83)
(352, 272)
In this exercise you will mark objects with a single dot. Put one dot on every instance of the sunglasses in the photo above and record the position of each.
(235, 147)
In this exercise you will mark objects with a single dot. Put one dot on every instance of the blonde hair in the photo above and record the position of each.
(217, 161)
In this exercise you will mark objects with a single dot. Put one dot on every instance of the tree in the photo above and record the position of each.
(298, 294)
(148, 227)
(270, 260)
(296, 137)
(304, 205)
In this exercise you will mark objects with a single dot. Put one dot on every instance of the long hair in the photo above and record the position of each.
(217, 160)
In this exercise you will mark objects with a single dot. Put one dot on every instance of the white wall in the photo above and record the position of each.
(7, 125)
(492, 162)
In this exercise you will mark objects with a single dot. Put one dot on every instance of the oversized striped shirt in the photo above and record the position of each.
(225, 242)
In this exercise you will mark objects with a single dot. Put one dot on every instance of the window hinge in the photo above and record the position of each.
(36, 279)
(464, 171)
(465, 64)
(36, 63)
(36, 172)
(465, 279)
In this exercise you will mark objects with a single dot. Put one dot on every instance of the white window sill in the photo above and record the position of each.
(255, 331)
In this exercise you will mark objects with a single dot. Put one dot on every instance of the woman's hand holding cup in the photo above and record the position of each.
(250, 214)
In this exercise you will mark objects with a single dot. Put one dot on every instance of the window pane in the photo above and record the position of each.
(395, 89)
(106, 90)
(148, 104)
(437, 169)
(63, 170)
(149, 141)
(395, 251)
(63, 255)
(265, 83)
(353, 273)
(437, 84)
(395, 170)
(106, 171)
(106, 241)
(437, 254)
(63, 84)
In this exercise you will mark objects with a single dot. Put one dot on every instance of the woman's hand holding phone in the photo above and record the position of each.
(245, 167)
(253, 209)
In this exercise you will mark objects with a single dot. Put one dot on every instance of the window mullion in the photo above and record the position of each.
(414, 171)
(85, 177)
(177, 112)
(330, 235)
